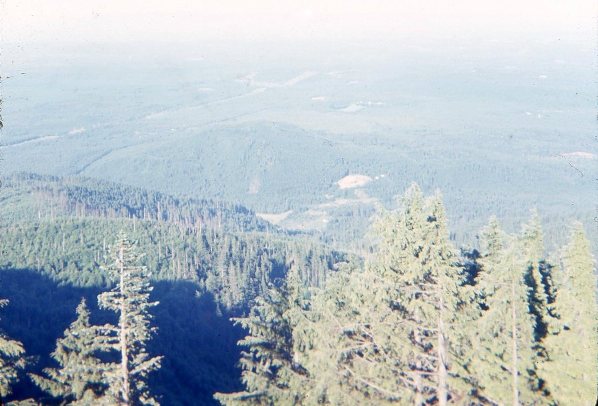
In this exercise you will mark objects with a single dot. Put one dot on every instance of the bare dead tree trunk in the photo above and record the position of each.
(124, 356)
(442, 357)
(514, 371)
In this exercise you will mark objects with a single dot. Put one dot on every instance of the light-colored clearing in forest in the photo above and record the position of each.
(274, 218)
(353, 181)
(579, 154)
(79, 130)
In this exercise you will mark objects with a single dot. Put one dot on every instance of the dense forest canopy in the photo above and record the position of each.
(499, 128)
(420, 324)
(413, 319)
(298, 203)
(207, 260)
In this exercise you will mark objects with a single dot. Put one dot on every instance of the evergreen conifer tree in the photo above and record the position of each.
(270, 374)
(130, 298)
(79, 378)
(538, 275)
(504, 338)
(396, 322)
(339, 350)
(423, 269)
(11, 360)
(571, 370)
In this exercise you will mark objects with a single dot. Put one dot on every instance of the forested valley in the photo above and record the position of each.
(206, 262)
(118, 295)
(298, 203)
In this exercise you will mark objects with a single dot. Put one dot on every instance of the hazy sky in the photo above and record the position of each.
(174, 20)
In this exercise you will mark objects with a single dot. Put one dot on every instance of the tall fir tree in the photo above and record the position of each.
(505, 328)
(538, 275)
(427, 278)
(332, 335)
(12, 359)
(451, 314)
(270, 374)
(571, 370)
(396, 323)
(79, 380)
(130, 298)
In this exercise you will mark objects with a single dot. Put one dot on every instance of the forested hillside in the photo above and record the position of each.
(496, 137)
(415, 321)
(206, 260)
(420, 324)
(26, 196)
(298, 203)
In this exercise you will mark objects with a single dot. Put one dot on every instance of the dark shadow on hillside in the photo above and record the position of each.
(37, 314)
(199, 347)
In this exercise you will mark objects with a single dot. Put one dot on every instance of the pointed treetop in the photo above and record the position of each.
(578, 239)
(577, 255)
(413, 197)
(532, 237)
(437, 209)
(82, 310)
(493, 238)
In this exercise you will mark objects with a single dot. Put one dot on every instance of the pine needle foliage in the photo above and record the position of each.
(571, 370)
(505, 328)
(12, 359)
(270, 374)
(130, 298)
(392, 330)
(79, 379)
